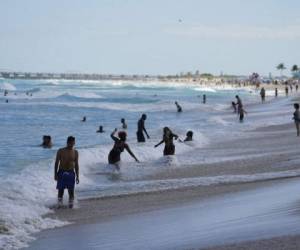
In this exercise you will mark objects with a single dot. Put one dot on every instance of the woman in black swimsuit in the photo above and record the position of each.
(114, 156)
(168, 140)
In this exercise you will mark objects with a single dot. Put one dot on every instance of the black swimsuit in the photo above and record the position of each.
(169, 145)
(115, 154)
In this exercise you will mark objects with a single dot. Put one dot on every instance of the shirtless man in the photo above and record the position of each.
(65, 169)
(141, 129)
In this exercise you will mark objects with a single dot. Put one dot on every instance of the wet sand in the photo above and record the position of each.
(258, 213)
(253, 215)
(277, 243)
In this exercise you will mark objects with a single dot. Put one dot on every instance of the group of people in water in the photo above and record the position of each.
(66, 169)
(5, 93)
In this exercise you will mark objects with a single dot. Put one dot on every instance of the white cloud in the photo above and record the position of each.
(236, 31)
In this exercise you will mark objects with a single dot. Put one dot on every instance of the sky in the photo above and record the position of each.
(149, 36)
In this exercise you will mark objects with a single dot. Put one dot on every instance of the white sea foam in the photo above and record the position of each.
(205, 89)
(24, 199)
(219, 120)
(7, 86)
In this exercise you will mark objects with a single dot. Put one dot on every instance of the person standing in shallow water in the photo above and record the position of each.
(114, 156)
(168, 140)
(242, 114)
(286, 90)
(296, 118)
(66, 170)
(263, 94)
(276, 92)
(239, 104)
(141, 129)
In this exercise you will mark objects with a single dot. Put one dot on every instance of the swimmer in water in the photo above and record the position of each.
(47, 142)
(124, 125)
(100, 130)
(189, 136)
(179, 108)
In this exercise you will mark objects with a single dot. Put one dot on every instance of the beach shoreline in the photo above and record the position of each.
(142, 206)
(251, 161)
(280, 158)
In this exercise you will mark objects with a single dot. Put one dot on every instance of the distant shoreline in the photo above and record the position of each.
(134, 77)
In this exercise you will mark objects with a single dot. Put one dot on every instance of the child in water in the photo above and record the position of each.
(168, 140)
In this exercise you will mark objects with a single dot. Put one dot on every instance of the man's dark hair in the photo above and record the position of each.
(71, 139)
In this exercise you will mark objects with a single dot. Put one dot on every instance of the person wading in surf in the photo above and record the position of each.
(114, 156)
(66, 170)
(168, 140)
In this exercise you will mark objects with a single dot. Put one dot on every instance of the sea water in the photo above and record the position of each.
(56, 108)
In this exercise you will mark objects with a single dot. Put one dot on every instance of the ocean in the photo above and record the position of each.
(56, 107)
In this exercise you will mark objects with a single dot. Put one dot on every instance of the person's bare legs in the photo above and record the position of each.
(298, 128)
(60, 197)
(71, 197)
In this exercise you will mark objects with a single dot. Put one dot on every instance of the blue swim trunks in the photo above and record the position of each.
(65, 179)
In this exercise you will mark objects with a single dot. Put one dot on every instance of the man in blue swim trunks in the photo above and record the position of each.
(66, 170)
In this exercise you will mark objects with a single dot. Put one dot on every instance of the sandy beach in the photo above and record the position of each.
(245, 213)
(188, 219)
